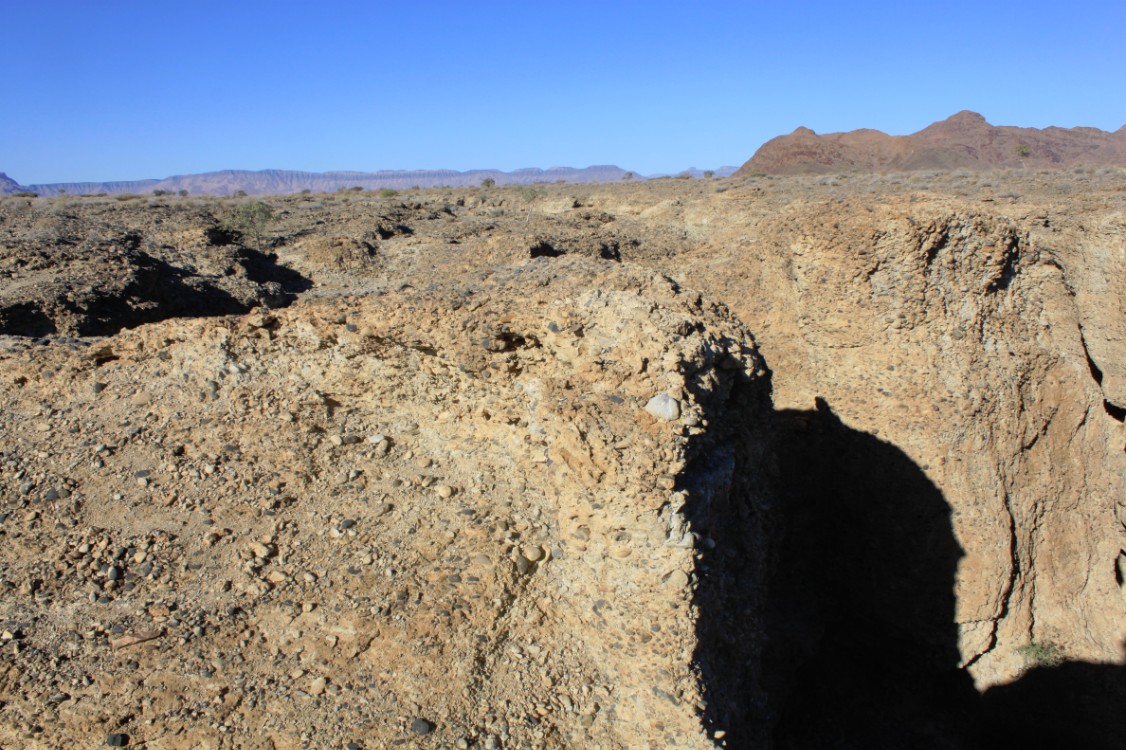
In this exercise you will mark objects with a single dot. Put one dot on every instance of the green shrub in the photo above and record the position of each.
(1041, 654)
(388, 193)
(252, 220)
(488, 182)
(527, 192)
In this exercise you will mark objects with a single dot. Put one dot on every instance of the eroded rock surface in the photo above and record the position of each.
(345, 516)
(498, 477)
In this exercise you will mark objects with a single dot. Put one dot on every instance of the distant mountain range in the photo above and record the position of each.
(280, 181)
(963, 141)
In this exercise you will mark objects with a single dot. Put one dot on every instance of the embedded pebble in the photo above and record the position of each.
(664, 407)
(677, 579)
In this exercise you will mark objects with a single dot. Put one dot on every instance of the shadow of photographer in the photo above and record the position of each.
(858, 645)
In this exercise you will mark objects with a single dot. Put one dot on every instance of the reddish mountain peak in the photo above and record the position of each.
(966, 117)
(963, 122)
(965, 140)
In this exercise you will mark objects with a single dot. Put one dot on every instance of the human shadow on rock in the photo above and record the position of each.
(826, 604)
(861, 642)
(846, 639)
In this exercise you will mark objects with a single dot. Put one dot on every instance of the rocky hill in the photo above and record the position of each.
(8, 185)
(793, 462)
(963, 141)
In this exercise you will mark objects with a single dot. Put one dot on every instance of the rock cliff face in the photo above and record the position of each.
(492, 471)
(963, 141)
(953, 334)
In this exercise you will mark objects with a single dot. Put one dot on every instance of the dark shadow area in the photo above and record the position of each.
(826, 608)
(1073, 705)
(263, 268)
(145, 289)
(861, 644)
(160, 291)
(221, 236)
(610, 250)
(26, 319)
(544, 249)
(388, 229)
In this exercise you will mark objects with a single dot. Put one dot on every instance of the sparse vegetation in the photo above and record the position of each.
(488, 182)
(528, 192)
(388, 193)
(709, 173)
(628, 176)
(1041, 654)
(252, 220)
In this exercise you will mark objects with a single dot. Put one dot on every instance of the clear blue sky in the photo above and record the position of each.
(118, 89)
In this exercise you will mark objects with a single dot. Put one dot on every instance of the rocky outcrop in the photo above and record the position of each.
(116, 277)
(485, 483)
(963, 141)
(955, 336)
(452, 504)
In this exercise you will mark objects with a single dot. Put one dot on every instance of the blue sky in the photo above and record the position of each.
(127, 90)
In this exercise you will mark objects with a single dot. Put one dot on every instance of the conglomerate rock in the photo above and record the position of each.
(344, 516)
